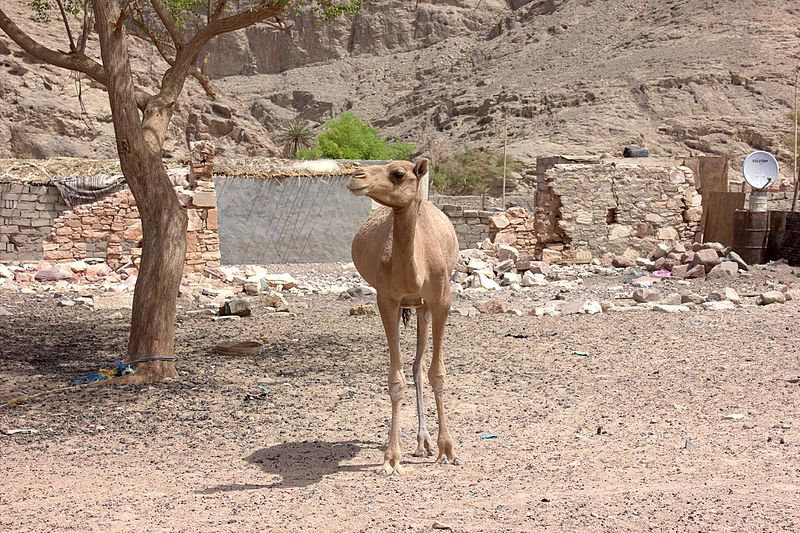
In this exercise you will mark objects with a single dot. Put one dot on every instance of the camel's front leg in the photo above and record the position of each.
(423, 437)
(390, 315)
(436, 375)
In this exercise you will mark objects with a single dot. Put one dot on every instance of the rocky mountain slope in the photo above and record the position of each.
(561, 76)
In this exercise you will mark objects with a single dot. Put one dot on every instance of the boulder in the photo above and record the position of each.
(55, 273)
(506, 252)
(696, 272)
(236, 307)
(771, 297)
(707, 257)
(724, 269)
(646, 295)
(493, 307)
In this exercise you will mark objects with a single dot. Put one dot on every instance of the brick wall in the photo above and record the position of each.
(27, 212)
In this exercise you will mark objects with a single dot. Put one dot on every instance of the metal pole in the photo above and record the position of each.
(796, 175)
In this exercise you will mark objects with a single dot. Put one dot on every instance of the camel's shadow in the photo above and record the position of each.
(301, 463)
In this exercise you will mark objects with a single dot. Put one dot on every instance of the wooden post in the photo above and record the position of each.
(796, 175)
(505, 144)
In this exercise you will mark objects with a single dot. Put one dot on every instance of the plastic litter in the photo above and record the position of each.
(582, 354)
(661, 273)
(120, 369)
(490, 436)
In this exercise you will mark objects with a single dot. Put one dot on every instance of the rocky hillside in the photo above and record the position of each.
(561, 76)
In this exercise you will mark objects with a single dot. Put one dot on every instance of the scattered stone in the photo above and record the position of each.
(237, 306)
(736, 258)
(673, 298)
(724, 305)
(276, 300)
(493, 307)
(646, 263)
(692, 297)
(465, 311)
(252, 288)
(363, 310)
(792, 294)
(113, 301)
(606, 306)
(510, 278)
(54, 273)
(730, 294)
(486, 283)
(771, 297)
(284, 280)
(724, 269)
(66, 303)
(505, 266)
(733, 416)
(78, 266)
(622, 261)
(5, 272)
(671, 308)
(506, 252)
(661, 250)
(644, 281)
(707, 257)
(514, 312)
(529, 279)
(646, 295)
(4, 312)
(696, 272)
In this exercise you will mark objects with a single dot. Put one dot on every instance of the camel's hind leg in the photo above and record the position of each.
(424, 447)
(436, 375)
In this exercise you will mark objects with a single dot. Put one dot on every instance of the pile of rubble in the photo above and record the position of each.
(661, 282)
(710, 260)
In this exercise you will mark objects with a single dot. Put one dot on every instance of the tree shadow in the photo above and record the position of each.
(300, 464)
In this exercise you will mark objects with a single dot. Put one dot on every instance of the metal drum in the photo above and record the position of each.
(751, 235)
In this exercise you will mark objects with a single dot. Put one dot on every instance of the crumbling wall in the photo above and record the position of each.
(472, 226)
(27, 212)
(624, 209)
(110, 229)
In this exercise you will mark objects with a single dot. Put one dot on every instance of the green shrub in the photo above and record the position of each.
(349, 137)
(471, 171)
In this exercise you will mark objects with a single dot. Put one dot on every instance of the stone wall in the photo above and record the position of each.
(27, 212)
(110, 229)
(624, 209)
(471, 226)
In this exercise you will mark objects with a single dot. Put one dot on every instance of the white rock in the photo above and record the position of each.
(510, 278)
(733, 416)
(771, 297)
(5, 272)
(506, 251)
(476, 265)
(487, 283)
(667, 308)
(724, 305)
(529, 279)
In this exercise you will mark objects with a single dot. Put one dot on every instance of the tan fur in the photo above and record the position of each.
(406, 250)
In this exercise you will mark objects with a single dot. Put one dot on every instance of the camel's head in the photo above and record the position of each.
(396, 184)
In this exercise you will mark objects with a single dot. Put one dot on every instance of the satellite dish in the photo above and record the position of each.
(760, 169)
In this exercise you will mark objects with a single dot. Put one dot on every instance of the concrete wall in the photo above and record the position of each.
(287, 220)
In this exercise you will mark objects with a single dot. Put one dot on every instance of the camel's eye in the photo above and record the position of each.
(398, 175)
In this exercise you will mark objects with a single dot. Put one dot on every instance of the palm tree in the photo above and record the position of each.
(295, 135)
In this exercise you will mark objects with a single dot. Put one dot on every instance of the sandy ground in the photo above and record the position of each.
(632, 437)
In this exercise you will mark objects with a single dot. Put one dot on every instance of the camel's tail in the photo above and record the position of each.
(406, 314)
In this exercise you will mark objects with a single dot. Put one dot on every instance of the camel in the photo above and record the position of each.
(406, 250)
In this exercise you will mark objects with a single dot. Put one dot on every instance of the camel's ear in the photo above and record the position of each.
(421, 167)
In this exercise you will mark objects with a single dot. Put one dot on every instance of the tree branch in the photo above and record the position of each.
(66, 25)
(87, 26)
(74, 61)
(169, 23)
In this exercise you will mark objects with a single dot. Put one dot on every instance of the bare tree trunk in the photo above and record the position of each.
(164, 221)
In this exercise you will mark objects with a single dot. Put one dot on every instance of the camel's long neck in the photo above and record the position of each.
(404, 252)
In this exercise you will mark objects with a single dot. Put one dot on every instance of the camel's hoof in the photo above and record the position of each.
(421, 452)
(443, 460)
(387, 470)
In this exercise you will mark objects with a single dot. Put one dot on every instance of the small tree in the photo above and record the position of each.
(471, 171)
(349, 137)
(294, 136)
(179, 30)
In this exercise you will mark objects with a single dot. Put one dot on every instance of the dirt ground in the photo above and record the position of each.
(632, 437)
